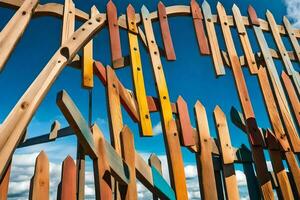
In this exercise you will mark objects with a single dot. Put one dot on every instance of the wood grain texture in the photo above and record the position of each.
(292, 36)
(199, 28)
(186, 129)
(68, 21)
(276, 84)
(176, 167)
(291, 95)
(154, 161)
(12, 128)
(137, 74)
(278, 168)
(40, 179)
(14, 29)
(4, 183)
(238, 19)
(213, 41)
(114, 33)
(77, 122)
(68, 179)
(204, 160)
(128, 152)
(102, 178)
(165, 32)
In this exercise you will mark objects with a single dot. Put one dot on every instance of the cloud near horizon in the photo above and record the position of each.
(292, 9)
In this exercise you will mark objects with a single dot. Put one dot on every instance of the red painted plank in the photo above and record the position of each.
(68, 179)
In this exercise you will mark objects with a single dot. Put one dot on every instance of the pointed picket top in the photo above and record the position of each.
(154, 161)
(110, 4)
(237, 14)
(206, 9)
(271, 140)
(94, 11)
(42, 157)
(145, 11)
(196, 10)
(253, 16)
(161, 5)
(187, 131)
(238, 119)
(131, 21)
(68, 179)
(202, 122)
(222, 13)
(130, 10)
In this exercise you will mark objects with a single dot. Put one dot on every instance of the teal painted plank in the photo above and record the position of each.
(118, 167)
(77, 122)
(161, 185)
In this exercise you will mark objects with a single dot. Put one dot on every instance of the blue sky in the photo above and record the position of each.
(191, 75)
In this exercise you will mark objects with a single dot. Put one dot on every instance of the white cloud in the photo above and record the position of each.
(157, 129)
(292, 8)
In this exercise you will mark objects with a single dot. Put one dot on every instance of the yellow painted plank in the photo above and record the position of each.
(137, 74)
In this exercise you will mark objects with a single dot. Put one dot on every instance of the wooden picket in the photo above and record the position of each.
(117, 165)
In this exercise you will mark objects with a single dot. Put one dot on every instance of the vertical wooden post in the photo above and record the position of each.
(254, 135)
(172, 144)
(68, 179)
(154, 161)
(40, 179)
(227, 155)
(165, 31)
(68, 21)
(292, 37)
(4, 183)
(137, 74)
(206, 175)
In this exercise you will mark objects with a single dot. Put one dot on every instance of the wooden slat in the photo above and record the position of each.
(213, 41)
(12, 128)
(291, 33)
(77, 122)
(204, 160)
(252, 184)
(227, 153)
(68, 21)
(238, 119)
(165, 31)
(277, 87)
(199, 28)
(187, 131)
(4, 183)
(114, 34)
(176, 167)
(238, 19)
(254, 135)
(278, 168)
(128, 152)
(102, 178)
(14, 29)
(137, 74)
(292, 95)
(40, 179)
(154, 161)
(68, 179)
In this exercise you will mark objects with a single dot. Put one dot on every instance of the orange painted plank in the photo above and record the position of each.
(40, 180)
(187, 131)
(204, 158)
(199, 28)
(165, 31)
(4, 183)
(68, 179)
(114, 33)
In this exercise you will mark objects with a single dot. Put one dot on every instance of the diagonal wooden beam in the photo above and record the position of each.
(12, 128)
(14, 29)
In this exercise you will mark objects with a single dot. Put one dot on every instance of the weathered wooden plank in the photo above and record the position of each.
(40, 179)
(68, 179)
(199, 28)
(206, 176)
(68, 21)
(114, 34)
(254, 135)
(77, 122)
(252, 184)
(128, 152)
(12, 32)
(4, 183)
(154, 161)
(238, 19)
(102, 178)
(87, 60)
(137, 74)
(278, 168)
(187, 131)
(292, 95)
(213, 41)
(12, 128)
(227, 154)
(172, 144)
(277, 87)
(143, 171)
(291, 33)
(165, 31)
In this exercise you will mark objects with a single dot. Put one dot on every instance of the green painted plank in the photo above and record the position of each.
(161, 185)
(77, 122)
